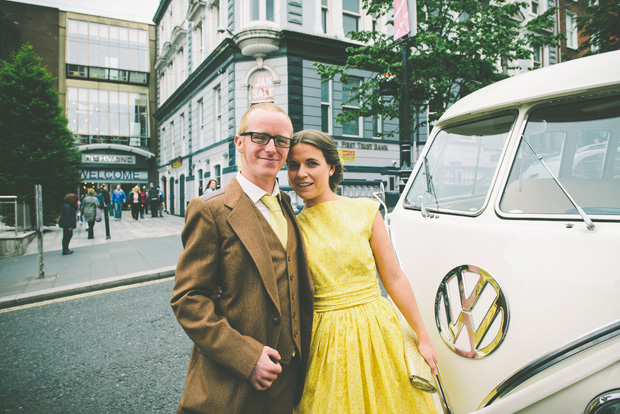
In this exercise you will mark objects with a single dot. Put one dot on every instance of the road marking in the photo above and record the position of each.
(84, 295)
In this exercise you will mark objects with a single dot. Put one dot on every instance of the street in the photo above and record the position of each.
(113, 351)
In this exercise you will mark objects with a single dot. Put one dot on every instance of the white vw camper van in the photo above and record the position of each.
(509, 230)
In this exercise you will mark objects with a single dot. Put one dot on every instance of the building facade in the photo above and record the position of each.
(103, 69)
(216, 58)
(109, 95)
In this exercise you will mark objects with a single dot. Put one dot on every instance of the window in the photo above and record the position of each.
(106, 46)
(181, 66)
(262, 10)
(103, 116)
(572, 40)
(460, 166)
(162, 151)
(172, 85)
(350, 16)
(217, 104)
(77, 71)
(324, 15)
(200, 183)
(217, 174)
(348, 105)
(215, 26)
(534, 6)
(377, 126)
(198, 46)
(172, 143)
(537, 57)
(183, 136)
(326, 105)
(201, 122)
(579, 143)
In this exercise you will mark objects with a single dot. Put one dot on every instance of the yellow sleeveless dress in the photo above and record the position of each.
(357, 362)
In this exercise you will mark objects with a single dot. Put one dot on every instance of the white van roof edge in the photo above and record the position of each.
(592, 72)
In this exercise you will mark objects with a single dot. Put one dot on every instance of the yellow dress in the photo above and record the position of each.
(357, 362)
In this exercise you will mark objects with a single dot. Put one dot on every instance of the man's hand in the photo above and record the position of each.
(266, 369)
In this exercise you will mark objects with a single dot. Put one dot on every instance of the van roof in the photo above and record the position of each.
(588, 73)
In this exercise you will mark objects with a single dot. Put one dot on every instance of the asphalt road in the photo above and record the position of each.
(117, 351)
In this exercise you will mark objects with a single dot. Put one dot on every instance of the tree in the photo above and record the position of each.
(37, 146)
(460, 46)
(601, 26)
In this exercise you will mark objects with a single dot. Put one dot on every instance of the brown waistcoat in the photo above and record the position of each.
(288, 290)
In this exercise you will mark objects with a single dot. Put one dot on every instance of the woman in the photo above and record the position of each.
(356, 361)
(135, 201)
(88, 208)
(211, 185)
(68, 221)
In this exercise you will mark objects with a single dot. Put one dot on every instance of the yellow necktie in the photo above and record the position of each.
(276, 219)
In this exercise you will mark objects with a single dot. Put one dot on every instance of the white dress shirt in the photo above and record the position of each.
(255, 193)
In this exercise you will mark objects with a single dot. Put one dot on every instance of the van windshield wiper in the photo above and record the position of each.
(582, 213)
(430, 189)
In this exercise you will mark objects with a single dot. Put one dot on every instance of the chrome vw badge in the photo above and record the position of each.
(471, 312)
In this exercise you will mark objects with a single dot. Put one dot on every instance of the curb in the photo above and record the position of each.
(85, 287)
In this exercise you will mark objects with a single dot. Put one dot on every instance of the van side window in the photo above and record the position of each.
(580, 143)
(461, 166)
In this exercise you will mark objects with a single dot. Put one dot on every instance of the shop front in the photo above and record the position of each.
(114, 165)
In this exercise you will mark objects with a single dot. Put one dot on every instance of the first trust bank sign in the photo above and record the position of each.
(114, 175)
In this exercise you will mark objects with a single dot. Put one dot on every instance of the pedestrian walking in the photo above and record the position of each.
(161, 201)
(88, 208)
(67, 220)
(143, 203)
(118, 198)
(154, 200)
(106, 199)
(135, 201)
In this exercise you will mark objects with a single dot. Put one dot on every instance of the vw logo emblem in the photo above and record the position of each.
(471, 312)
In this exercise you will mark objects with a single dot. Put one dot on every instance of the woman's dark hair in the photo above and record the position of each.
(209, 183)
(326, 144)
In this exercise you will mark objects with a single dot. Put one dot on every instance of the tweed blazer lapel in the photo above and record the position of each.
(242, 220)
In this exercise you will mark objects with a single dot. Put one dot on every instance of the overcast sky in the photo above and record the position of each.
(136, 10)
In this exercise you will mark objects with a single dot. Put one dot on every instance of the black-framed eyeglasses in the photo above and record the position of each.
(263, 139)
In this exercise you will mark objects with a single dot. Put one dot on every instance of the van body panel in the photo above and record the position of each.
(495, 242)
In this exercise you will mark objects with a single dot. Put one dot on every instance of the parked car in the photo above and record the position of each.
(509, 230)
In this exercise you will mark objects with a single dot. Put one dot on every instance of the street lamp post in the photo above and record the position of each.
(405, 133)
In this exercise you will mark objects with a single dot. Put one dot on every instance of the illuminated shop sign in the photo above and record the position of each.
(114, 175)
(109, 159)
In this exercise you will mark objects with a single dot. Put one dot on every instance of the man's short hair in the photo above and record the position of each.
(267, 106)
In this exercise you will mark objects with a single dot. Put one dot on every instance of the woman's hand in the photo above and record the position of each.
(428, 352)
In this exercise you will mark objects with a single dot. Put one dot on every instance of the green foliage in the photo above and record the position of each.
(601, 26)
(460, 46)
(37, 146)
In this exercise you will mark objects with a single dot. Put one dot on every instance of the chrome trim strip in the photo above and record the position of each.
(601, 402)
(443, 394)
(553, 358)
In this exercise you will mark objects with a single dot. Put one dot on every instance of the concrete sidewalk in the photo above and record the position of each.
(137, 251)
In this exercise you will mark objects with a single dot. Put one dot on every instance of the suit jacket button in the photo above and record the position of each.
(276, 321)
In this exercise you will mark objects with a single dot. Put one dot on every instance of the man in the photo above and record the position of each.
(153, 200)
(118, 198)
(106, 196)
(161, 202)
(143, 201)
(243, 293)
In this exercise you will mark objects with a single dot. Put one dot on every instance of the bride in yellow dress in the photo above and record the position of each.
(356, 362)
